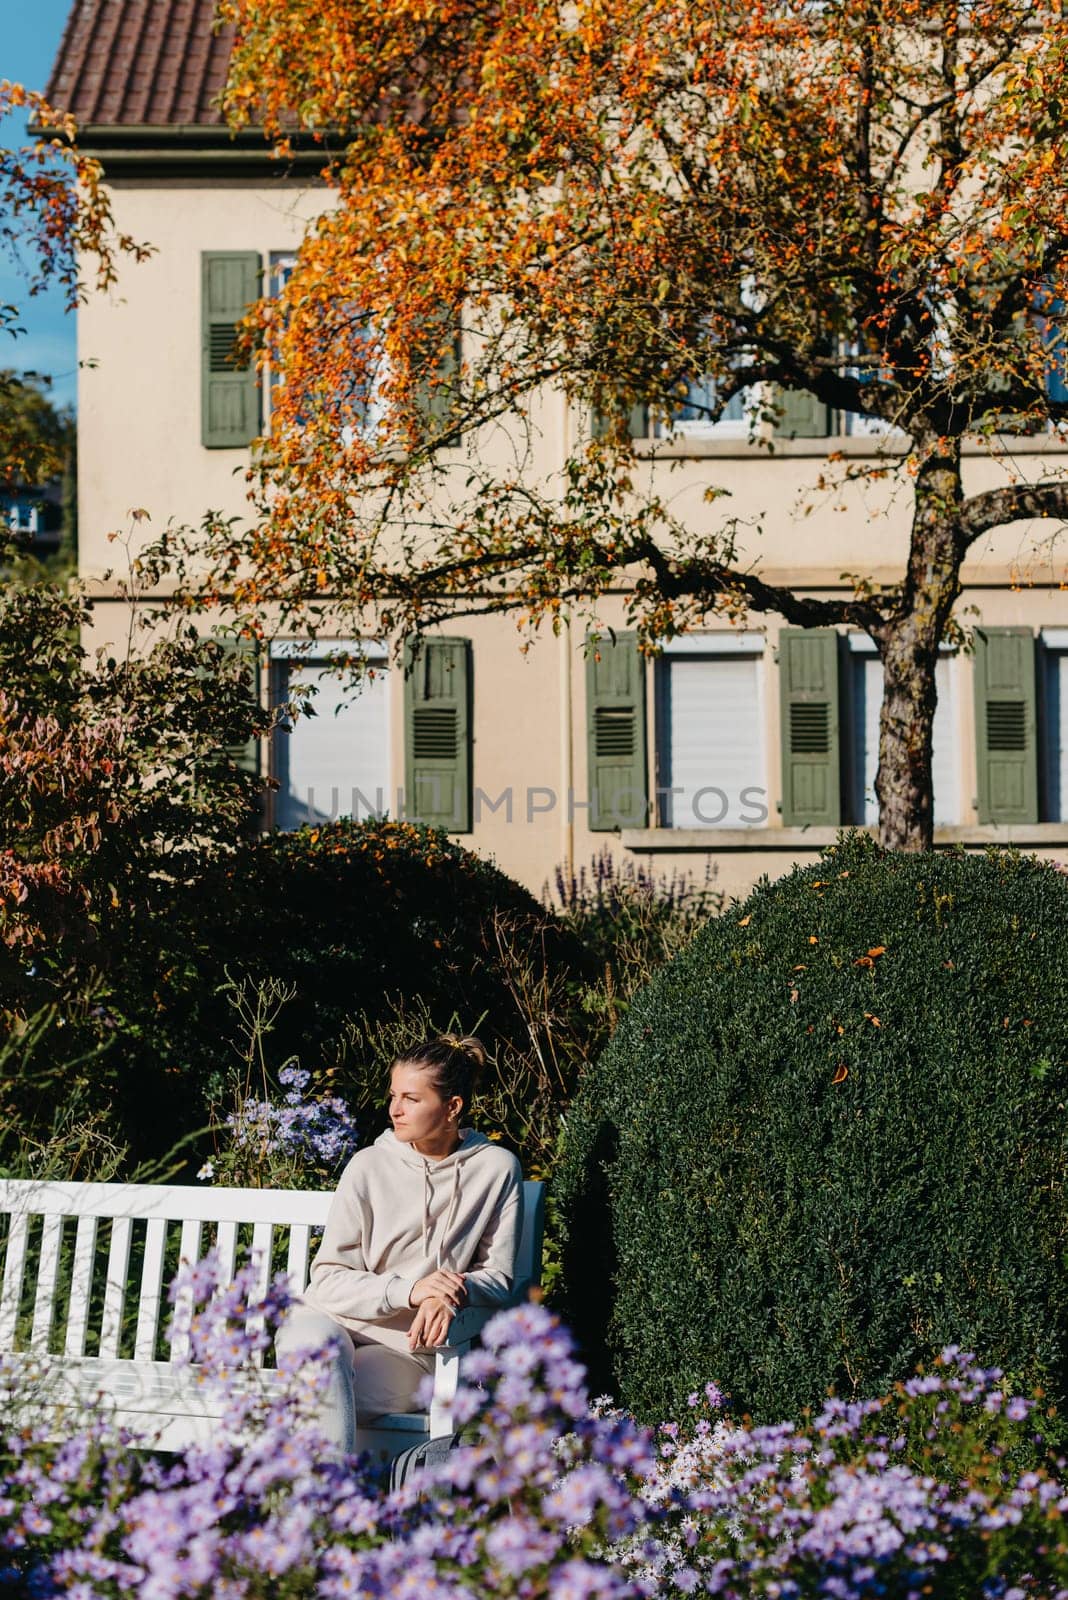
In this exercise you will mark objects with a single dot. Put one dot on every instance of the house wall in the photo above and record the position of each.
(801, 519)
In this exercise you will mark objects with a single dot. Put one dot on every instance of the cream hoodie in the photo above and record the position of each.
(397, 1216)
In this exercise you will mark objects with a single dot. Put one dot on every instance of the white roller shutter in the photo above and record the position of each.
(868, 700)
(711, 742)
(335, 763)
(1055, 692)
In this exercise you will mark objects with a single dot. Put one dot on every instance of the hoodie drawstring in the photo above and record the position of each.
(428, 1195)
(454, 1203)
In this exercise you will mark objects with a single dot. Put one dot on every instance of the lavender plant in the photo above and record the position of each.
(631, 921)
(917, 1493)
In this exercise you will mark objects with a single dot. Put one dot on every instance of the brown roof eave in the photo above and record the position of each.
(189, 149)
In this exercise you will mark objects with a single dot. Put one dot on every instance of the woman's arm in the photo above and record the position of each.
(340, 1279)
(490, 1278)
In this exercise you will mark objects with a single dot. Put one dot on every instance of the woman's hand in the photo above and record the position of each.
(440, 1285)
(430, 1326)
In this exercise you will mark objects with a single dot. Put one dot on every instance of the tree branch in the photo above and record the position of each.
(710, 580)
(983, 512)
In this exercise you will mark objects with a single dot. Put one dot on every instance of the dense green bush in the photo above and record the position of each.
(377, 931)
(830, 1137)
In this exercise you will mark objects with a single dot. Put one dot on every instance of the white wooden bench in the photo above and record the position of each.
(83, 1297)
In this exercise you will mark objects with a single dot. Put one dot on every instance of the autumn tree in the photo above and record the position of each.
(56, 225)
(118, 773)
(863, 202)
(36, 436)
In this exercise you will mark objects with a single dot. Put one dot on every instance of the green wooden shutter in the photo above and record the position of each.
(801, 415)
(437, 732)
(436, 400)
(246, 757)
(808, 682)
(1005, 724)
(230, 396)
(637, 422)
(615, 734)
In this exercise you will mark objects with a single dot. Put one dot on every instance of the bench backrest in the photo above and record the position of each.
(60, 1281)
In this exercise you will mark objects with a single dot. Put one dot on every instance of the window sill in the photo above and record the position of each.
(852, 446)
(641, 840)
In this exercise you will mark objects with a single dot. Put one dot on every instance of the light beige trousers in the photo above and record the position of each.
(366, 1379)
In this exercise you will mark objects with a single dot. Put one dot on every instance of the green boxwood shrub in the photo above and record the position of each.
(830, 1137)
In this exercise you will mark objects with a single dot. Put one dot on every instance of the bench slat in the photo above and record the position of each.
(226, 1249)
(189, 1253)
(172, 1202)
(189, 1249)
(115, 1292)
(80, 1285)
(11, 1294)
(44, 1301)
(148, 1305)
(297, 1259)
(262, 1239)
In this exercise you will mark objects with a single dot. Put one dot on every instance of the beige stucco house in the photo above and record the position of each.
(740, 747)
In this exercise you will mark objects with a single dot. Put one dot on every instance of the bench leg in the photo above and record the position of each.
(446, 1378)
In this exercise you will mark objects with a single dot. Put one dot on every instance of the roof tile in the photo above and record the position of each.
(141, 63)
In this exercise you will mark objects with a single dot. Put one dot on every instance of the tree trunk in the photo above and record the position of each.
(908, 644)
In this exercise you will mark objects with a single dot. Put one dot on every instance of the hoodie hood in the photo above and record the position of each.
(435, 1174)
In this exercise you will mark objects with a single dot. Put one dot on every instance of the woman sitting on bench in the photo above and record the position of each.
(424, 1221)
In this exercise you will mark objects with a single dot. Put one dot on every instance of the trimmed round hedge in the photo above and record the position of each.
(830, 1138)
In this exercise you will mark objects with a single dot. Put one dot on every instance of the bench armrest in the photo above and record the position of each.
(466, 1325)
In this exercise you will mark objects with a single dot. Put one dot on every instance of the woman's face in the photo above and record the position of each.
(419, 1115)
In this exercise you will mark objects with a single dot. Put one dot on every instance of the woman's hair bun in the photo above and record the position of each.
(469, 1046)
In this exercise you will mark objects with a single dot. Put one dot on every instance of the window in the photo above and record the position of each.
(857, 424)
(24, 517)
(336, 761)
(364, 403)
(865, 690)
(1049, 324)
(697, 417)
(710, 732)
(281, 270)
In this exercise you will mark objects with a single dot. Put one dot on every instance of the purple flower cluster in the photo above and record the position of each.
(913, 1494)
(320, 1131)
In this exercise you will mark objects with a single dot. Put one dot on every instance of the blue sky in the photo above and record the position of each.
(30, 31)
